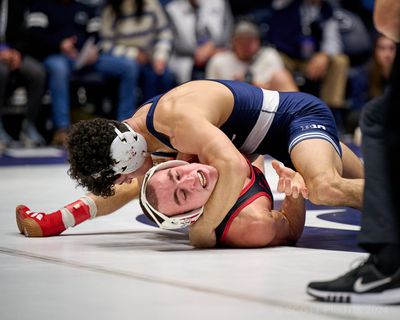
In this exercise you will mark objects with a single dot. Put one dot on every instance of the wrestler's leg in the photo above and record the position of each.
(322, 169)
(352, 165)
(39, 224)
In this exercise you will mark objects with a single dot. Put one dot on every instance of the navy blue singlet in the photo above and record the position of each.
(269, 122)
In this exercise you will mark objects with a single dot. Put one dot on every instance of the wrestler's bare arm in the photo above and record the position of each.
(195, 132)
(124, 193)
(215, 149)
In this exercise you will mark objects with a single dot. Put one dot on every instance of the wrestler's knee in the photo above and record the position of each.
(323, 189)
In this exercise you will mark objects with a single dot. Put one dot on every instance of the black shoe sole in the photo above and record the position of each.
(385, 297)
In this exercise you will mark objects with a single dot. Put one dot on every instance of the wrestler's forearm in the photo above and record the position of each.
(124, 193)
(230, 183)
(214, 148)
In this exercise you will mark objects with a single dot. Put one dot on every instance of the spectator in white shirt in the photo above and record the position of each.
(249, 61)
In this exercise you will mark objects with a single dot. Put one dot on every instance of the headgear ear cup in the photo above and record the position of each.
(129, 150)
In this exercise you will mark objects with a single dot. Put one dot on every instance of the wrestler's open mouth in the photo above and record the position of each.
(202, 178)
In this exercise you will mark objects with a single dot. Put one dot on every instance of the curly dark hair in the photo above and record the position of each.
(88, 145)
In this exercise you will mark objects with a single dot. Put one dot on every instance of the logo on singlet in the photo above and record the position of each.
(313, 126)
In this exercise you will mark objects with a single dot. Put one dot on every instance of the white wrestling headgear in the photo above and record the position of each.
(175, 222)
(129, 150)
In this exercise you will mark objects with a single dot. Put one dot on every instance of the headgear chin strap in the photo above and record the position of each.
(129, 150)
(174, 222)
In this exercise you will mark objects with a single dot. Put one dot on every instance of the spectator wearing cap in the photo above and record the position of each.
(248, 61)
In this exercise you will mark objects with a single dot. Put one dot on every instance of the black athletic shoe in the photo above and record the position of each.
(364, 284)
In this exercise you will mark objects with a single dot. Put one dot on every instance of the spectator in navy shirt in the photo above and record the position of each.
(307, 35)
(59, 29)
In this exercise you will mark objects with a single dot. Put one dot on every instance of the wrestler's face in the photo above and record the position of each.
(183, 188)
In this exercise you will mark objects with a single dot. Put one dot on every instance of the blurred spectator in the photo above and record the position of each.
(355, 36)
(16, 66)
(381, 65)
(248, 61)
(362, 8)
(254, 10)
(372, 80)
(201, 29)
(307, 35)
(62, 34)
(139, 30)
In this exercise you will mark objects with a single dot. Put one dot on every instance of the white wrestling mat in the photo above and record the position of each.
(117, 267)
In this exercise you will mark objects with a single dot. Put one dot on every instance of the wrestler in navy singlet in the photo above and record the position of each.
(257, 187)
(269, 122)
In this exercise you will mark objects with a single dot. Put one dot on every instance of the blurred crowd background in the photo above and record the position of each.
(66, 60)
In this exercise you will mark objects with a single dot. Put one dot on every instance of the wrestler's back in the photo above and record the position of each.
(210, 99)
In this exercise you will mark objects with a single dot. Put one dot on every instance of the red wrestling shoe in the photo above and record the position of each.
(39, 224)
